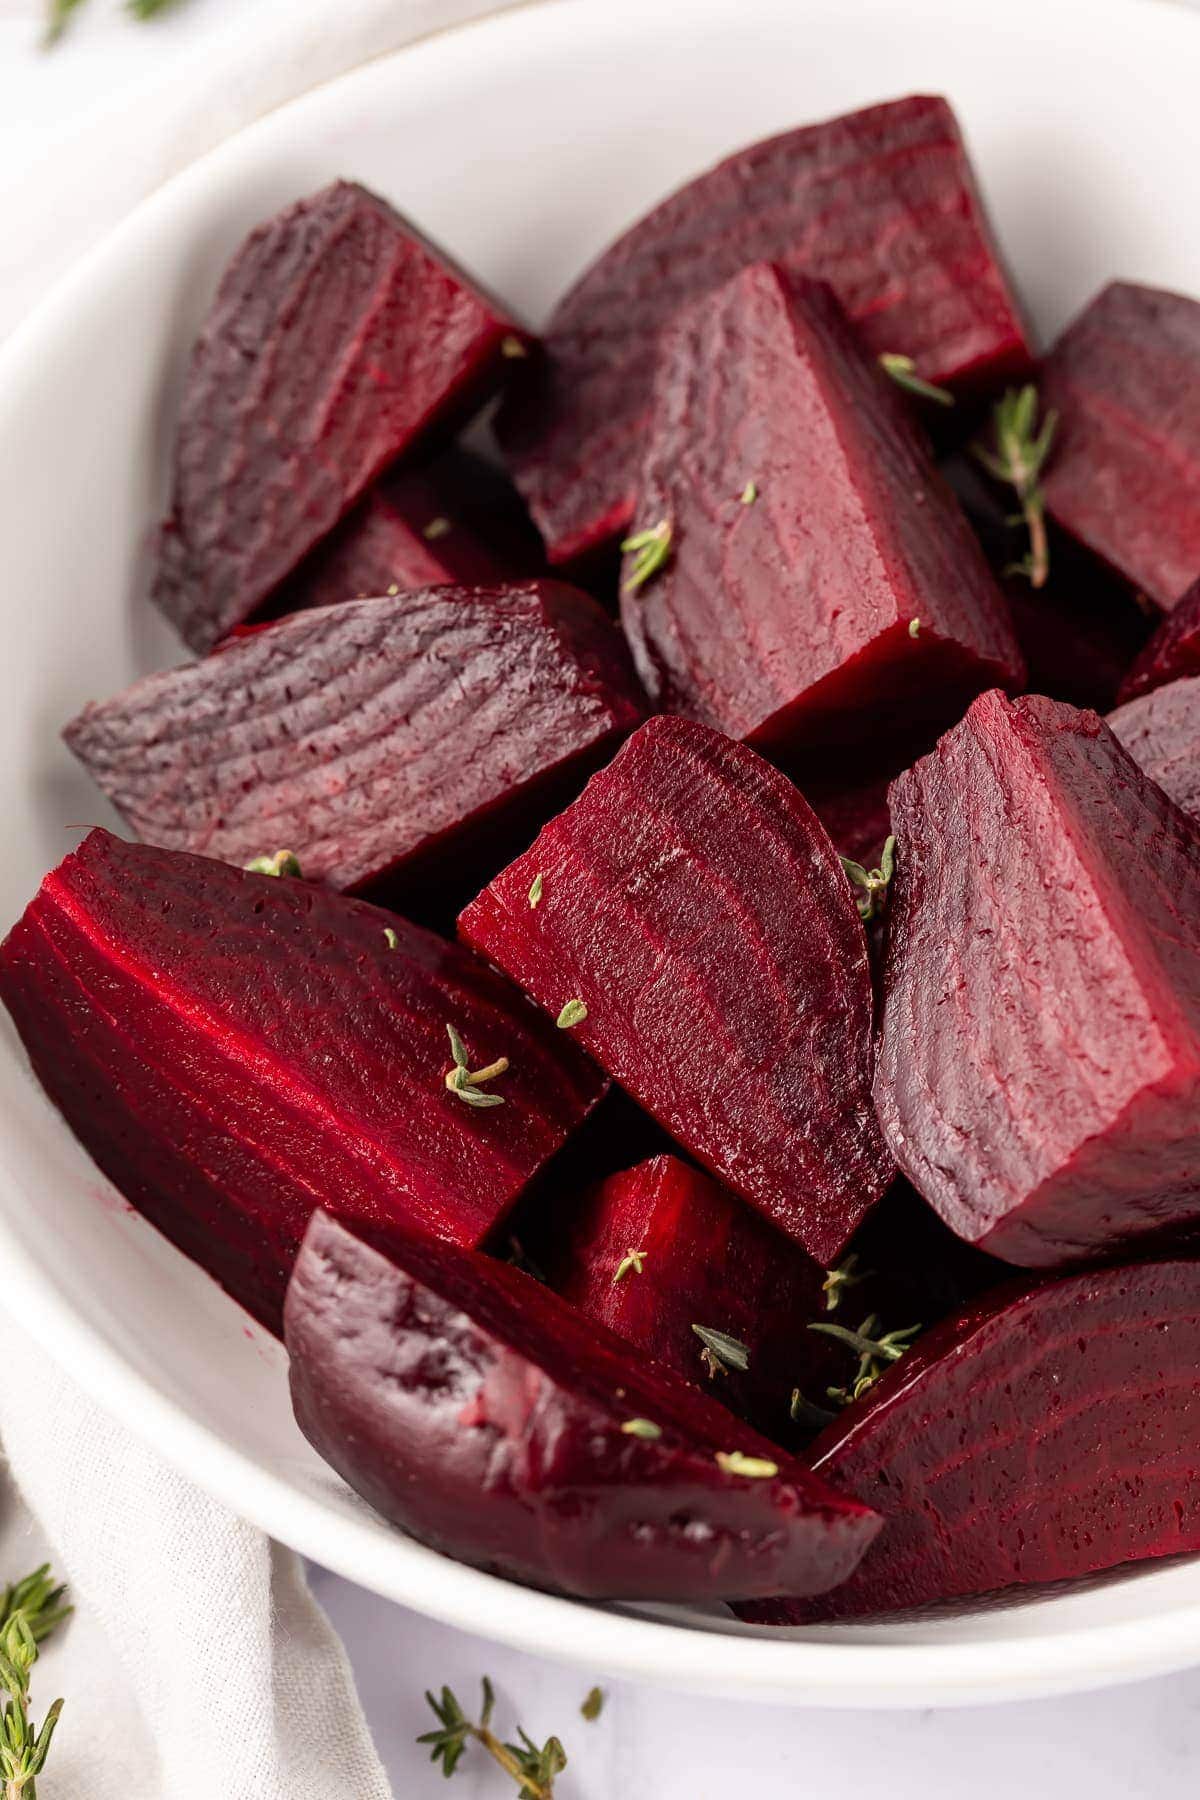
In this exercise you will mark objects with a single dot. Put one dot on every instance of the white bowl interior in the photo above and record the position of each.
(523, 144)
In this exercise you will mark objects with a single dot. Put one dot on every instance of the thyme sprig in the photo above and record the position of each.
(633, 1262)
(876, 1351)
(533, 1769)
(847, 1274)
(872, 883)
(29, 1611)
(903, 371)
(721, 1351)
(59, 14)
(1017, 457)
(466, 1082)
(650, 550)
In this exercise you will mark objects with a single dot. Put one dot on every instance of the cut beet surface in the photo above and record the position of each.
(882, 204)
(819, 568)
(1161, 732)
(374, 737)
(692, 902)
(1174, 650)
(236, 1049)
(1124, 475)
(337, 339)
(1038, 1076)
(479, 1411)
(1044, 1434)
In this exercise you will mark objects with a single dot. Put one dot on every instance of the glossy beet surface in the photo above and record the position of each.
(364, 737)
(881, 203)
(1124, 476)
(809, 531)
(1039, 1065)
(1043, 1434)
(483, 1414)
(337, 337)
(1161, 732)
(234, 1049)
(1174, 650)
(691, 900)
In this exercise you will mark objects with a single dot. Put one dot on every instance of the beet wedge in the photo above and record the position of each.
(1174, 650)
(1161, 732)
(337, 339)
(1124, 475)
(479, 1411)
(1045, 1433)
(1038, 1074)
(373, 737)
(882, 204)
(819, 568)
(691, 901)
(235, 1049)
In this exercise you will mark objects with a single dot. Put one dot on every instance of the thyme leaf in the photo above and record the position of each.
(633, 1260)
(650, 550)
(1016, 457)
(721, 1351)
(535, 891)
(284, 862)
(847, 1274)
(390, 938)
(903, 371)
(874, 883)
(593, 1705)
(642, 1428)
(573, 1013)
(876, 1352)
(758, 1468)
(749, 493)
(466, 1082)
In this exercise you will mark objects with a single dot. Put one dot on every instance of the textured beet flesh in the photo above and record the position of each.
(881, 204)
(338, 337)
(1045, 1433)
(809, 531)
(372, 736)
(691, 900)
(1124, 476)
(479, 1411)
(235, 1049)
(1174, 650)
(1038, 1077)
(1161, 732)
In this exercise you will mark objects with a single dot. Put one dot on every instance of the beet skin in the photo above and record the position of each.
(479, 1411)
(820, 570)
(1038, 1077)
(1045, 1433)
(691, 900)
(235, 1049)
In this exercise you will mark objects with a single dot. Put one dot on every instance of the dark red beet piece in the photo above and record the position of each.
(1161, 732)
(882, 204)
(856, 818)
(1045, 1433)
(811, 534)
(371, 736)
(487, 1417)
(1038, 1077)
(338, 337)
(1124, 475)
(1174, 649)
(691, 900)
(234, 1049)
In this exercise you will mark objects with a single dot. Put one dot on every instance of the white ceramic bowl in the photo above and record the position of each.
(523, 144)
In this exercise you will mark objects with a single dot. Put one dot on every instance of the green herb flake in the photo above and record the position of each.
(914, 628)
(642, 1428)
(593, 1705)
(903, 371)
(573, 1013)
(513, 348)
(756, 1468)
(390, 938)
(535, 891)
(466, 1083)
(721, 1351)
(749, 493)
(284, 862)
(633, 1261)
(437, 528)
(650, 551)
(873, 884)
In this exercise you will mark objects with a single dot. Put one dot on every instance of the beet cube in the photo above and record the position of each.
(1161, 732)
(370, 737)
(882, 204)
(338, 337)
(234, 1049)
(1043, 1434)
(1174, 650)
(476, 1409)
(1038, 1077)
(692, 902)
(1124, 475)
(819, 568)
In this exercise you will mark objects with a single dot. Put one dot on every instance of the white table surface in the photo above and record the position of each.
(1120, 1745)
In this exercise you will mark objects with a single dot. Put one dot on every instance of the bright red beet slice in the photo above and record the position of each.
(483, 1414)
(690, 899)
(1038, 1076)
(338, 336)
(1045, 1433)
(882, 204)
(236, 1049)
(810, 534)
(1124, 476)
(1174, 650)
(371, 737)
(1161, 732)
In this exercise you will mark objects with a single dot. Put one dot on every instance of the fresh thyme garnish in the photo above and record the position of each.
(284, 862)
(29, 1611)
(803, 1412)
(758, 1468)
(650, 550)
(465, 1081)
(875, 1353)
(573, 1013)
(914, 628)
(512, 347)
(535, 891)
(532, 1769)
(873, 882)
(903, 371)
(749, 493)
(390, 938)
(437, 528)
(634, 1260)
(593, 1705)
(846, 1275)
(1017, 458)
(642, 1428)
(721, 1351)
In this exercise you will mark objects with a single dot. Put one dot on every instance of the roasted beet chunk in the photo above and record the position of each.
(487, 1417)
(368, 736)
(1045, 1433)
(1161, 732)
(881, 204)
(818, 567)
(691, 901)
(1174, 649)
(1039, 1064)
(1124, 476)
(337, 337)
(234, 1049)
